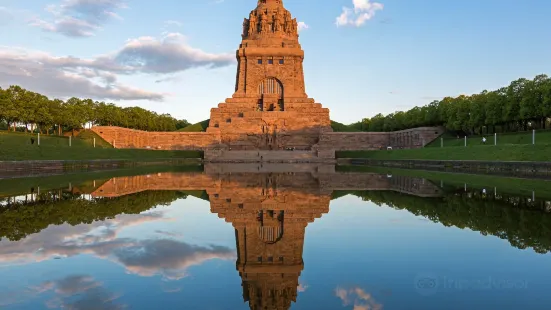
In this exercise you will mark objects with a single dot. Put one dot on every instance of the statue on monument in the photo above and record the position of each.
(263, 23)
(288, 24)
(253, 23)
(245, 27)
(278, 21)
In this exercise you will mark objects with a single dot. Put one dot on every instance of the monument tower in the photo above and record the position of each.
(269, 109)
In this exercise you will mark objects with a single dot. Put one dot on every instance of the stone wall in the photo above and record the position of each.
(216, 142)
(353, 141)
(125, 138)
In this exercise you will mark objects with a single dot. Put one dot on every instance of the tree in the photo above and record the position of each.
(494, 109)
(432, 117)
(546, 100)
(514, 99)
(43, 114)
(477, 116)
(532, 99)
(4, 106)
(57, 113)
(13, 112)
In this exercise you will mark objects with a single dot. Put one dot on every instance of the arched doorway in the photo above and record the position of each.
(270, 91)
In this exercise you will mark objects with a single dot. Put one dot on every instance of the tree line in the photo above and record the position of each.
(21, 109)
(523, 105)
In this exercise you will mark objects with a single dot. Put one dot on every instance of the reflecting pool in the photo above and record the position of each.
(274, 237)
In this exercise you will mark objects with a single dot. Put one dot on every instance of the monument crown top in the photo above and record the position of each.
(270, 3)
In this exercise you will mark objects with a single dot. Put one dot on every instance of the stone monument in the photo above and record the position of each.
(270, 109)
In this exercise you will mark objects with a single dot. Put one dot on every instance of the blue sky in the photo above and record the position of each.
(177, 57)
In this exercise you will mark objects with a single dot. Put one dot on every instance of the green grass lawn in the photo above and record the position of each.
(480, 152)
(17, 146)
(525, 137)
(198, 127)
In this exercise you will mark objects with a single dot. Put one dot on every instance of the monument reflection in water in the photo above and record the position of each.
(106, 243)
(270, 212)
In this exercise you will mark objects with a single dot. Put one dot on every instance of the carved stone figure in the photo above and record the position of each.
(263, 23)
(253, 23)
(288, 24)
(278, 22)
(245, 27)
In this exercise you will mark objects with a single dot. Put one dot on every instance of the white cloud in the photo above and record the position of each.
(362, 11)
(71, 292)
(174, 23)
(166, 257)
(358, 297)
(168, 55)
(79, 18)
(302, 26)
(97, 78)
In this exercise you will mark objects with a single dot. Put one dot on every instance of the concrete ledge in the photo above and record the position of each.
(29, 168)
(262, 156)
(505, 168)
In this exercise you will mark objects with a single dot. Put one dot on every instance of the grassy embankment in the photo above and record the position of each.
(511, 147)
(17, 146)
(542, 137)
(511, 185)
(198, 127)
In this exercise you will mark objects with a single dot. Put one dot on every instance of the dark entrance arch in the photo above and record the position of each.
(270, 91)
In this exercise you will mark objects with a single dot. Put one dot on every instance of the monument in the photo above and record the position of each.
(270, 109)
(269, 116)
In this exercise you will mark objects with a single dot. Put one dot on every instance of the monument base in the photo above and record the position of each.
(296, 156)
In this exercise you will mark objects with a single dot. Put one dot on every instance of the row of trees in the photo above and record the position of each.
(33, 111)
(524, 104)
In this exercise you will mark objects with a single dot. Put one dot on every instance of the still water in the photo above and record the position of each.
(274, 237)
